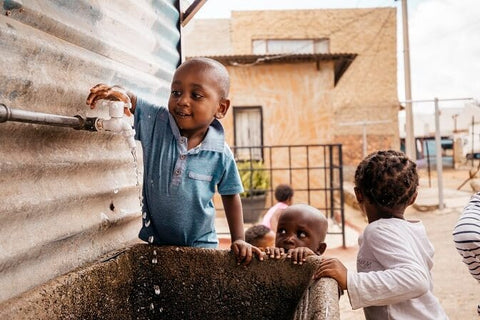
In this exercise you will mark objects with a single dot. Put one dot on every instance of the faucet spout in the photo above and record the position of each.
(117, 123)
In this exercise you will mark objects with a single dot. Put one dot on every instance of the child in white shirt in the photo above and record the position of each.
(395, 256)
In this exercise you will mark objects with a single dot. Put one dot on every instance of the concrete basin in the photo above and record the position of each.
(151, 282)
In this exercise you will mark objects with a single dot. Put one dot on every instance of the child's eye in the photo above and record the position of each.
(282, 231)
(176, 93)
(196, 96)
(302, 234)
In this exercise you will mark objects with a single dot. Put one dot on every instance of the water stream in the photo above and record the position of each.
(156, 288)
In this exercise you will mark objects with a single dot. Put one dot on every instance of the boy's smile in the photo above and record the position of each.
(181, 114)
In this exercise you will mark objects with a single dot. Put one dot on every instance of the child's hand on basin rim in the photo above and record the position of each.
(297, 255)
(244, 252)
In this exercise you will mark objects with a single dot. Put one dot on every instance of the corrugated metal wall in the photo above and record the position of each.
(68, 196)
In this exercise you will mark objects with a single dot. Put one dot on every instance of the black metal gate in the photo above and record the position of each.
(314, 171)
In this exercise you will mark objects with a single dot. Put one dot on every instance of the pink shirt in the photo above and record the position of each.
(270, 212)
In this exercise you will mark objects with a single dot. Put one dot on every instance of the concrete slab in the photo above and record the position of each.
(428, 198)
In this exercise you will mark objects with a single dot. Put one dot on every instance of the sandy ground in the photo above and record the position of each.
(455, 288)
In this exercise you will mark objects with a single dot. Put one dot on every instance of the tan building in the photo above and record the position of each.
(306, 76)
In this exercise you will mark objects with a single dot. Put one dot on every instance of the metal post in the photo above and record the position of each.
(428, 165)
(410, 149)
(438, 147)
(342, 199)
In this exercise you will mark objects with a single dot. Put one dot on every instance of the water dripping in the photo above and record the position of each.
(154, 259)
(133, 151)
(157, 289)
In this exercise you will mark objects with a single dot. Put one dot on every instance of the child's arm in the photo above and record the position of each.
(115, 93)
(233, 211)
(393, 273)
(274, 219)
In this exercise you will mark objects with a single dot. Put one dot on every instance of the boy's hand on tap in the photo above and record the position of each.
(115, 93)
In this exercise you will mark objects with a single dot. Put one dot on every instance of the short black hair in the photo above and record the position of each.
(256, 232)
(283, 192)
(218, 69)
(387, 178)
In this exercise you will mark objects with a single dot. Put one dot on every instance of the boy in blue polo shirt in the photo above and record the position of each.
(186, 159)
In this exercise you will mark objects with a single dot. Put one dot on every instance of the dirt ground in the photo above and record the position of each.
(455, 288)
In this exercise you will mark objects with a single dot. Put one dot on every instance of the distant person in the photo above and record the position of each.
(284, 197)
(395, 257)
(467, 237)
(186, 159)
(301, 232)
(260, 236)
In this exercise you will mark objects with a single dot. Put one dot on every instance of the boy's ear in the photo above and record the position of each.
(413, 198)
(222, 109)
(358, 195)
(321, 248)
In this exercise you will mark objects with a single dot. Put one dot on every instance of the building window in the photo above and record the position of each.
(277, 46)
(248, 132)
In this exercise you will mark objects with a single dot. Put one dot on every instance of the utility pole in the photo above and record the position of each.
(439, 156)
(410, 148)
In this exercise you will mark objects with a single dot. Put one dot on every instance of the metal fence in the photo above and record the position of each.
(314, 171)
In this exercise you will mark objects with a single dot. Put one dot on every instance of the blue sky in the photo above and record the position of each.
(444, 41)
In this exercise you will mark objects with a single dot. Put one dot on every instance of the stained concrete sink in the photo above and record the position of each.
(149, 282)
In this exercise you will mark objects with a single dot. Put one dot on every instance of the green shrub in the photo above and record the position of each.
(255, 178)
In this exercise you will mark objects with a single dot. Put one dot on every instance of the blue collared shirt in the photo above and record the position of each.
(179, 184)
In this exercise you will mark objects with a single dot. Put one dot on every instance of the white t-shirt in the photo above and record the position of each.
(394, 280)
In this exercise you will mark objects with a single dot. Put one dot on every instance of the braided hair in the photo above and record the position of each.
(387, 178)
